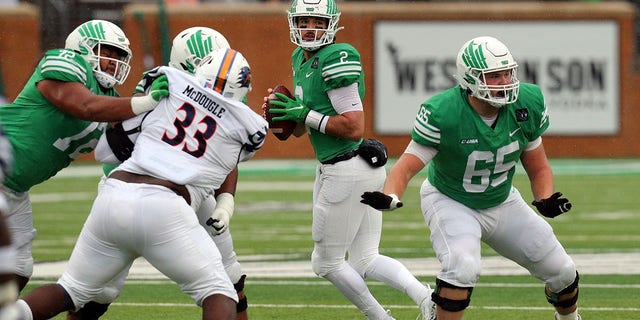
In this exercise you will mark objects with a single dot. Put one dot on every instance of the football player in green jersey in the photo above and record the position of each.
(472, 136)
(60, 114)
(329, 87)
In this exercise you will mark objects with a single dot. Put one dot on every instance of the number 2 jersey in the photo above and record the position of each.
(475, 163)
(195, 136)
(334, 66)
(44, 138)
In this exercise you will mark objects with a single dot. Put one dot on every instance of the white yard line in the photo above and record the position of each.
(593, 264)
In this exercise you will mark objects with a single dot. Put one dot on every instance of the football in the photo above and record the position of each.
(281, 129)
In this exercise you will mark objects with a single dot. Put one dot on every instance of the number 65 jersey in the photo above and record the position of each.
(195, 136)
(475, 163)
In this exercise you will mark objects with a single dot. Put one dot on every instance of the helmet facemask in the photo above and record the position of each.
(325, 9)
(90, 38)
(482, 56)
(122, 66)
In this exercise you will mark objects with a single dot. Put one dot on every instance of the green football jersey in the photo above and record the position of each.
(475, 163)
(334, 66)
(45, 139)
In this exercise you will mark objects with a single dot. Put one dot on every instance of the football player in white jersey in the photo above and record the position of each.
(145, 207)
(189, 47)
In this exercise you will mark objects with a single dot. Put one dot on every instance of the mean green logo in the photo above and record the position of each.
(474, 58)
(93, 30)
(199, 45)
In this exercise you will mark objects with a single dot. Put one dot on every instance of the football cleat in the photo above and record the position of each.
(427, 307)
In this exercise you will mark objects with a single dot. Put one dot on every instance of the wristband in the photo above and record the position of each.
(142, 104)
(395, 202)
(316, 120)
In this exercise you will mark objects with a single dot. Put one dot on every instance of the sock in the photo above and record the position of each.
(393, 273)
(354, 288)
(570, 316)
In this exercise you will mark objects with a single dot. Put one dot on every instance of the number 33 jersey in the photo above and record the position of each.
(475, 163)
(195, 136)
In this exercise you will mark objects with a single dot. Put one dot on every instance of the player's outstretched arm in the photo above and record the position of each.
(75, 99)
(396, 184)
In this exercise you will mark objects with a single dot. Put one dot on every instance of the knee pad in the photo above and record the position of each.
(239, 286)
(554, 298)
(242, 305)
(322, 266)
(449, 304)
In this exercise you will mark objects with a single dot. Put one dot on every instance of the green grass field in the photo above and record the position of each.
(605, 219)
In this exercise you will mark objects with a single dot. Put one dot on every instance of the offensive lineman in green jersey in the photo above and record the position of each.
(472, 137)
(60, 115)
(329, 86)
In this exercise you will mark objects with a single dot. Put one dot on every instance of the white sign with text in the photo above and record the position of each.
(574, 62)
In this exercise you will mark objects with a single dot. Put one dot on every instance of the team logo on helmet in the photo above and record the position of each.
(244, 77)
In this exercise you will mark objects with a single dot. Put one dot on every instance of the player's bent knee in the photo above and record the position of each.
(565, 298)
(467, 270)
(321, 267)
(451, 305)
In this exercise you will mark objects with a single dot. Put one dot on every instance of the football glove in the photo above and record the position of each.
(381, 201)
(159, 89)
(147, 79)
(219, 220)
(293, 110)
(553, 206)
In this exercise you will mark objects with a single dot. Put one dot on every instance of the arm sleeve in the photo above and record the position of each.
(345, 99)
(423, 152)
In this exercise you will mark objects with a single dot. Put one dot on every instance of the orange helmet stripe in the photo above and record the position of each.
(225, 67)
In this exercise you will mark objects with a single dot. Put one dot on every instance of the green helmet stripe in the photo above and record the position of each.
(332, 7)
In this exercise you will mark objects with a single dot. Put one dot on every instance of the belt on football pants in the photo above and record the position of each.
(129, 177)
(342, 157)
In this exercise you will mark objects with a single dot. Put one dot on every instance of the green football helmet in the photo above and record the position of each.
(483, 55)
(89, 37)
(193, 44)
(313, 8)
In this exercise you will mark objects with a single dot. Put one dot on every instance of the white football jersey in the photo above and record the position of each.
(195, 136)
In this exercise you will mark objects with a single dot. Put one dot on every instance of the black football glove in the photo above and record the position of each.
(381, 201)
(553, 206)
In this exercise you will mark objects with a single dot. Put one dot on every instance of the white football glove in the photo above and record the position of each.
(219, 220)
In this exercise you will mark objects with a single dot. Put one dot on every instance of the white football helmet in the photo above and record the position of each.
(227, 72)
(483, 55)
(89, 37)
(192, 44)
(313, 8)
